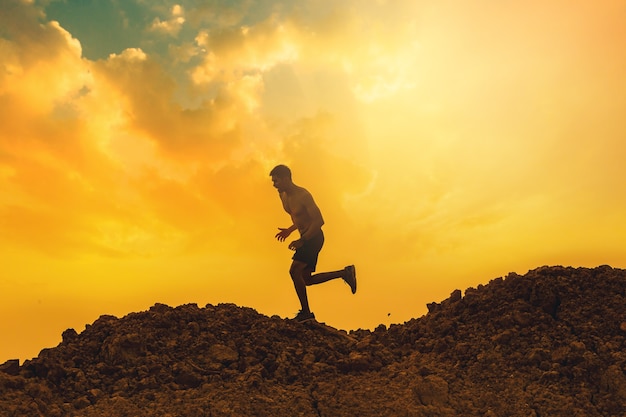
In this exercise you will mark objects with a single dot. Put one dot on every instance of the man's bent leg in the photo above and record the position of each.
(323, 277)
(348, 274)
(299, 276)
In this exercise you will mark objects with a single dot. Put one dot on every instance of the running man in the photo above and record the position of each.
(307, 219)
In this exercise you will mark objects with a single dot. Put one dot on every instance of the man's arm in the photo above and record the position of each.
(284, 233)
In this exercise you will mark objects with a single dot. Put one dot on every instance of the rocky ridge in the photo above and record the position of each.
(551, 342)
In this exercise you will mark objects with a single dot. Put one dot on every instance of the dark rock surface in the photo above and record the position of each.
(548, 343)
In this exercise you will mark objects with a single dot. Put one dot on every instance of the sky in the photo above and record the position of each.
(446, 143)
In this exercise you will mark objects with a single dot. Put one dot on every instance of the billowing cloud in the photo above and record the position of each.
(173, 24)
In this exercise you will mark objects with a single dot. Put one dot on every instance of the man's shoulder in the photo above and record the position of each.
(302, 189)
(303, 193)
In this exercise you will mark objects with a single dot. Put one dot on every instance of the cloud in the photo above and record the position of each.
(146, 98)
(120, 157)
(52, 164)
(171, 26)
(38, 59)
(169, 148)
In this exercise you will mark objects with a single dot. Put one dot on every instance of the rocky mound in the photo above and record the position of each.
(548, 343)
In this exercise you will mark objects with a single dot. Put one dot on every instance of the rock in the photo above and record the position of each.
(81, 403)
(614, 381)
(11, 367)
(432, 307)
(188, 379)
(69, 335)
(431, 390)
(223, 354)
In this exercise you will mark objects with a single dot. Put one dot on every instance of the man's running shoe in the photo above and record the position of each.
(350, 277)
(302, 316)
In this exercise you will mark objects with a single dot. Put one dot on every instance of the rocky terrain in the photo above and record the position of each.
(548, 343)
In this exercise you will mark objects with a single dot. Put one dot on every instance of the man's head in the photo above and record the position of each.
(281, 177)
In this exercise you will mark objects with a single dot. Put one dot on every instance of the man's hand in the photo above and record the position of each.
(283, 234)
(296, 244)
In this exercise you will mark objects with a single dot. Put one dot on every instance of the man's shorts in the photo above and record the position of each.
(309, 251)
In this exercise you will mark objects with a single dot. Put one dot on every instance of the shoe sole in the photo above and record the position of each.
(352, 272)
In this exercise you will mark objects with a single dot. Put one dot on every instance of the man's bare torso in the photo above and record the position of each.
(301, 207)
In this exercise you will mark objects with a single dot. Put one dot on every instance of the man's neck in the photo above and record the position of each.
(290, 188)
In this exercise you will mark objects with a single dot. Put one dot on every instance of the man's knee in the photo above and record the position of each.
(296, 269)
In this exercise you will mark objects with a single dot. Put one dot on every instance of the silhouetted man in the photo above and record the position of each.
(307, 219)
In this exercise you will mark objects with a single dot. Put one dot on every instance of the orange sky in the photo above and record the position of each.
(447, 143)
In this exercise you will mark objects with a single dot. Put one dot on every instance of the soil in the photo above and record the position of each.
(551, 342)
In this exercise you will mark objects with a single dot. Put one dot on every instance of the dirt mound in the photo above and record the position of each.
(548, 343)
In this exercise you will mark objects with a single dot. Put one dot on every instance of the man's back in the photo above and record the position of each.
(299, 203)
